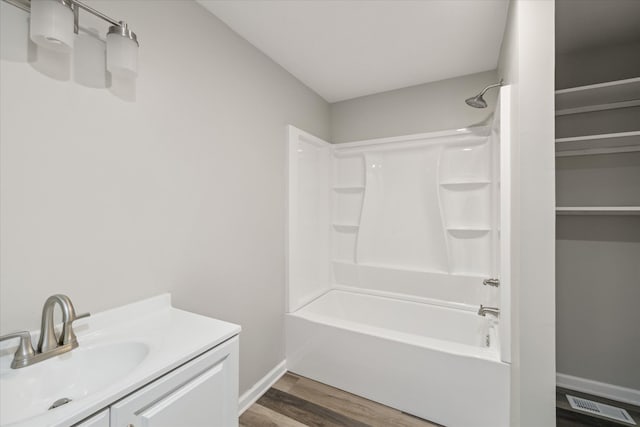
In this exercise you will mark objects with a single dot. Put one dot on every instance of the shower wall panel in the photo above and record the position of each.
(308, 273)
(417, 215)
(401, 224)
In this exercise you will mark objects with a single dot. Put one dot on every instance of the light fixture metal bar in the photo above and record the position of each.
(76, 20)
(94, 12)
(26, 6)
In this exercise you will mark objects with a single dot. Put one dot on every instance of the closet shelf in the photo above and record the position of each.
(598, 94)
(598, 210)
(598, 107)
(348, 188)
(622, 142)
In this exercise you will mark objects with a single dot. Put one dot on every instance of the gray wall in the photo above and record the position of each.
(181, 191)
(597, 257)
(416, 109)
(598, 278)
(527, 63)
(589, 66)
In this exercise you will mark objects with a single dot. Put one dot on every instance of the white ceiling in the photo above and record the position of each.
(582, 24)
(350, 48)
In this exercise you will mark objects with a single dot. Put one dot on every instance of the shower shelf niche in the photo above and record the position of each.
(470, 184)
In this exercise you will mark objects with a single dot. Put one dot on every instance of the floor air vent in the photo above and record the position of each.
(600, 409)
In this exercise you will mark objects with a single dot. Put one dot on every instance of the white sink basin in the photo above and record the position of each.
(121, 350)
(29, 392)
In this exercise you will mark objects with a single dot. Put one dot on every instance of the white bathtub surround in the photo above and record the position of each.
(120, 351)
(426, 360)
(413, 215)
(389, 243)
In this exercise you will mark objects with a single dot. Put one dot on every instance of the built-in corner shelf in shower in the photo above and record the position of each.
(465, 194)
(348, 185)
(464, 185)
(468, 231)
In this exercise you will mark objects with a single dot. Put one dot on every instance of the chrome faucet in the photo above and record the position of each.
(48, 340)
(49, 344)
(491, 310)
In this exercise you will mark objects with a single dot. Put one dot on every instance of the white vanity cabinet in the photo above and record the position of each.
(101, 419)
(203, 392)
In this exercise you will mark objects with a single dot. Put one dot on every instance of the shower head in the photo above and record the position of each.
(478, 100)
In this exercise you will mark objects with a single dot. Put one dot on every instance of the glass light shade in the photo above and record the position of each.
(122, 56)
(52, 25)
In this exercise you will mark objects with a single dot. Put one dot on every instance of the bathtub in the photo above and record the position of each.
(438, 363)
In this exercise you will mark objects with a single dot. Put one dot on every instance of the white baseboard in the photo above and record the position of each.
(610, 391)
(261, 387)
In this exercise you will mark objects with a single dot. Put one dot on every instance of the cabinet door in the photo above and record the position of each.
(101, 419)
(203, 392)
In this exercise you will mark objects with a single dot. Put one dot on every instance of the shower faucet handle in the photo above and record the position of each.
(491, 282)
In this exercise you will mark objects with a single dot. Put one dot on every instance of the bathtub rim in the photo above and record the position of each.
(491, 354)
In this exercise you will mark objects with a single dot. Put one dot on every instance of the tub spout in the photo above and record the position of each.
(491, 310)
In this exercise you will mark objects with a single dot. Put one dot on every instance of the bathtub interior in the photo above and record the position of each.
(444, 328)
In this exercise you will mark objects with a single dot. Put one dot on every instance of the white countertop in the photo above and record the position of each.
(172, 337)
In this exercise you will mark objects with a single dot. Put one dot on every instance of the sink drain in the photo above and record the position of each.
(59, 402)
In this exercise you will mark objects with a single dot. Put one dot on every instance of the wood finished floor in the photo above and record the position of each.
(296, 401)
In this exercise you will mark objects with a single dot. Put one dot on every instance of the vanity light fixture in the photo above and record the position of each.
(122, 51)
(54, 23)
(51, 24)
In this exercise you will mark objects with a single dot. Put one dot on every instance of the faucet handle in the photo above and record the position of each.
(25, 349)
(82, 316)
(68, 336)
